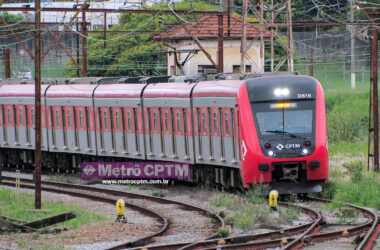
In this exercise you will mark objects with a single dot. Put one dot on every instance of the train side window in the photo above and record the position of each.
(204, 122)
(105, 120)
(129, 121)
(26, 115)
(9, 116)
(68, 118)
(57, 117)
(86, 113)
(167, 121)
(226, 123)
(155, 123)
(198, 124)
(179, 121)
(33, 117)
(2, 115)
(209, 121)
(117, 119)
(215, 123)
(21, 114)
(81, 118)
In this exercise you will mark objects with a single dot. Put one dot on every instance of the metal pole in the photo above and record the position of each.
(220, 45)
(262, 33)
(84, 42)
(7, 63)
(105, 31)
(272, 39)
(77, 44)
(229, 17)
(243, 37)
(374, 80)
(311, 69)
(37, 78)
(352, 48)
(290, 36)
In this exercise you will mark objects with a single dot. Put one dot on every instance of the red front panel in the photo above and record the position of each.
(251, 154)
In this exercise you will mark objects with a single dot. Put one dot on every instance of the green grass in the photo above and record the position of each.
(333, 75)
(160, 193)
(347, 125)
(223, 201)
(12, 207)
(249, 211)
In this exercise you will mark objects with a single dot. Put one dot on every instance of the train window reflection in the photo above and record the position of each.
(294, 121)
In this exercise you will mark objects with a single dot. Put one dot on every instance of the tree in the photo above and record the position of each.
(134, 53)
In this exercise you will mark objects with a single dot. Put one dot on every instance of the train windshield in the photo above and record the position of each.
(287, 118)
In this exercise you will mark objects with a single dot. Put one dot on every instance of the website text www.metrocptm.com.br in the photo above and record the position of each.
(135, 182)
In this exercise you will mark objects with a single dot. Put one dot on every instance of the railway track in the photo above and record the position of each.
(136, 202)
(291, 238)
(294, 237)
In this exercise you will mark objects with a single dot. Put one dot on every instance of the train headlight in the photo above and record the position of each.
(304, 151)
(270, 153)
(281, 92)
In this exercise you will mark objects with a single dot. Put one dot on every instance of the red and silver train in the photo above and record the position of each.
(269, 129)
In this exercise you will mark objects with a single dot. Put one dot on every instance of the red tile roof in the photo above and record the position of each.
(207, 27)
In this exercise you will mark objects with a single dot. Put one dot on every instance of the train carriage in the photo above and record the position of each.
(17, 122)
(70, 119)
(168, 130)
(269, 129)
(283, 133)
(119, 126)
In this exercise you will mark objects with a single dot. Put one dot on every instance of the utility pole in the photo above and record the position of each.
(243, 37)
(220, 44)
(262, 33)
(77, 45)
(375, 96)
(37, 79)
(290, 36)
(105, 31)
(272, 39)
(84, 41)
(352, 47)
(7, 63)
(311, 69)
(229, 17)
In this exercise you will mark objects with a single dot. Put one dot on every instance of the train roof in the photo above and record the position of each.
(22, 90)
(180, 89)
(217, 88)
(78, 91)
(119, 90)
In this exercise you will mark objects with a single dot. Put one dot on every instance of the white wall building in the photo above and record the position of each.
(180, 44)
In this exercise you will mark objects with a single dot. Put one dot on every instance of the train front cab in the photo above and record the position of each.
(283, 133)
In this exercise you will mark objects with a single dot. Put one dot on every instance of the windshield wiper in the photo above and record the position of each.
(281, 132)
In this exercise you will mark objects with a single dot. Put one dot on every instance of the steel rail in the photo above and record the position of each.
(276, 239)
(143, 210)
(262, 239)
(142, 241)
(371, 227)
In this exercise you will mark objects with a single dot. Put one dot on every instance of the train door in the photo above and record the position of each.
(9, 125)
(4, 133)
(169, 151)
(215, 132)
(181, 140)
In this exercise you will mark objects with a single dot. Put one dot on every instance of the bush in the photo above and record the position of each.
(346, 126)
(364, 192)
(355, 170)
(223, 232)
(223, 201)
(230, 220)
(347, 115)
(328, 190)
